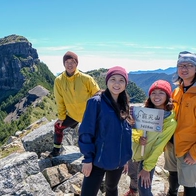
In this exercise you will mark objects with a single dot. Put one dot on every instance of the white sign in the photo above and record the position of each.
(148, 119)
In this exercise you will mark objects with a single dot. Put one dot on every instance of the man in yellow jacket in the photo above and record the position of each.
(72, 89)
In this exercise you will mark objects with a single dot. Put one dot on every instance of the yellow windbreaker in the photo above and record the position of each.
(156, 141)
(72, 93)
(185, 134)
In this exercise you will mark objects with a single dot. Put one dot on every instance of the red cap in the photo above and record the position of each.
(163, 85)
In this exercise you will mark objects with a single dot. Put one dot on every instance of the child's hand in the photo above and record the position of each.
(143, 140)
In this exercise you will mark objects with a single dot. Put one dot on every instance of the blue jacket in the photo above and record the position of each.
(104, 138)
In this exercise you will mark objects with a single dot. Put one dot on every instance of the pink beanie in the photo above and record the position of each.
(117, 70)
(163, 85)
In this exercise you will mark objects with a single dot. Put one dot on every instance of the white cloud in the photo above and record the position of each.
(54, 63)
(87, 63)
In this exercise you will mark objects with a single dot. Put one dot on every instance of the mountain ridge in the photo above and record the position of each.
(144, 79)
(169, 70)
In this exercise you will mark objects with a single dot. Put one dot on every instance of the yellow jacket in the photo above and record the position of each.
(185, 134)
(156, 142)
(72, 93)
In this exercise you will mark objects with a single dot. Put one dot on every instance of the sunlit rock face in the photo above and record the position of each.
(16, 52)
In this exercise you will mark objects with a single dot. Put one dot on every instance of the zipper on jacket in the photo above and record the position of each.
(121, 143)
(101, 152)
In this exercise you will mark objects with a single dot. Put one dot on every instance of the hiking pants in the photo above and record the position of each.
(189, 191)
(173, 184)
(132, 173)
(91, 184)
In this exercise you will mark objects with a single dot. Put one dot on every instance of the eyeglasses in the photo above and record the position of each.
(186, 66)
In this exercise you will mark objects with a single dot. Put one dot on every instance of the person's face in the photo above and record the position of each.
(116, 84)
(70, 66)
(186, 71)
(158, 98)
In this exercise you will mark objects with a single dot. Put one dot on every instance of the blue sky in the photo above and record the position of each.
(138, 35)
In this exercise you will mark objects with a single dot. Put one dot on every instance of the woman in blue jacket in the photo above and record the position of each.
(105, 135)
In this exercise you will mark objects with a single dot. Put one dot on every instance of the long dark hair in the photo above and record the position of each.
(121, 107)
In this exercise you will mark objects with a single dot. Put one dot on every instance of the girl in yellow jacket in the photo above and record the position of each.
(160, 98)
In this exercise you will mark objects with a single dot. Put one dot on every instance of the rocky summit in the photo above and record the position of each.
(28, 172)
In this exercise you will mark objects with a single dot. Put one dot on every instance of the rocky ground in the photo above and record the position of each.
(160, 183)
(33, 142)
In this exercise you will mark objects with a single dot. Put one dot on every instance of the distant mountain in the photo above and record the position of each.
(20, 68)
(144, 79)
(20, 72)
(168, 71)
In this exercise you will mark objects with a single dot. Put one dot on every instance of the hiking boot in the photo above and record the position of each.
(55, 152)
(131, 193)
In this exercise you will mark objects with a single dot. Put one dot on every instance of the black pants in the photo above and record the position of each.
(189, 191)
(91, 184)
(173, 184)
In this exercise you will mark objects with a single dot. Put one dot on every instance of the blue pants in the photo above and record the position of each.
(144, 191)
(91, 184)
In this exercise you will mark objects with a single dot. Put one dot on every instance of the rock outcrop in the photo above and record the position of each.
(16, 53)
(20, 175)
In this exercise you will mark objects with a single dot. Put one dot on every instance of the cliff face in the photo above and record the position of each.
(16, 52)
